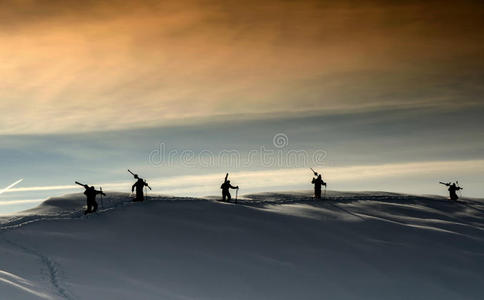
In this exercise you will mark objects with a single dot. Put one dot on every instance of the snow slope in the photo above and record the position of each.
(271, 246)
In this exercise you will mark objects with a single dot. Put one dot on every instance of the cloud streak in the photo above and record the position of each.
(288, 178)
(10, 186)
(20, 202)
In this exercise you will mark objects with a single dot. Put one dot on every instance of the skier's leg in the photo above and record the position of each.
(94, 204)
(453, 196)
(229, 197)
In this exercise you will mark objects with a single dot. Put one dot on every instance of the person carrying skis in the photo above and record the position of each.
(91, 194)
(226, 186)
(453, 188)
(139, 185)
(318, 182)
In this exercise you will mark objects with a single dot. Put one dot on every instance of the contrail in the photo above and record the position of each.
(11, 186)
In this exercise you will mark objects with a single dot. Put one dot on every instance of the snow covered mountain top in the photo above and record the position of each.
(368, 245)
(71, 205)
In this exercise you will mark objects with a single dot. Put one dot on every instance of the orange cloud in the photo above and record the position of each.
(100, 65)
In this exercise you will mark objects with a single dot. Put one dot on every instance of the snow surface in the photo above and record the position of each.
(368, 245)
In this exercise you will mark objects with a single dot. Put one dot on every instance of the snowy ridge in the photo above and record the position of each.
(362, 245)
(71, 206)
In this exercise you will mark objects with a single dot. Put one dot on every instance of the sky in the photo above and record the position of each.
(378, 95)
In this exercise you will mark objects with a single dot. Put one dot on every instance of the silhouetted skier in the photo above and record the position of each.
(318, 182)
(453, 188)
(90, 193)
(139, 185)
(226, 186)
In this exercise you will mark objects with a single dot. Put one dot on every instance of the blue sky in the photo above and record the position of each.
(420, 146)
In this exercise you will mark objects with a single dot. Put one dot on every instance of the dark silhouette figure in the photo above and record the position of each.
(91, 194)
(318, 182)
(226, 186)
(453, 188)
(139, 185)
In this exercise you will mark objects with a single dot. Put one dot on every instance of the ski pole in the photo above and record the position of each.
(102, 203)
(460, 189)
(236, 195)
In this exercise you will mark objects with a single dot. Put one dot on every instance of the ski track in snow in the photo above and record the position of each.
(21, 284)
(50, 266)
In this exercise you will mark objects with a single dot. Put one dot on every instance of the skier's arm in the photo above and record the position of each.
(132, 188)
(148, 185)
(233, 187)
